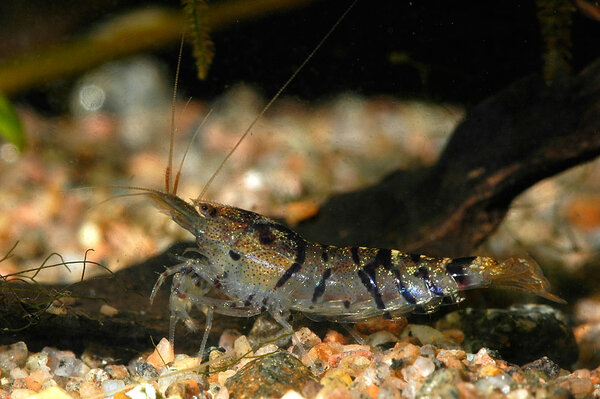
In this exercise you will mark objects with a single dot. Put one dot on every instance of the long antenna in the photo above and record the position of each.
(169, 170)
(273, 99)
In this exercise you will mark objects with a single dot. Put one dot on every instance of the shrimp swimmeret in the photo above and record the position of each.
(261, 265)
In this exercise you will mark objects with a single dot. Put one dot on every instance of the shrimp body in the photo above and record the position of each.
(262, 265)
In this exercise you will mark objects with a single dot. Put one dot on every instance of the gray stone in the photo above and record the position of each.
(520, 334)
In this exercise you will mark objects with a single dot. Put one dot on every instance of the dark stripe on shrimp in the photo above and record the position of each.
(371, 286)
(320, 288)
(385, 257)
(324, 255)
(297, 265)
(423, 273)
(354, 252)
(367, 273)
(265, 229)
(457, 269)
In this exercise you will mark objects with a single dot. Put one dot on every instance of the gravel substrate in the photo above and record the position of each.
(395, 360)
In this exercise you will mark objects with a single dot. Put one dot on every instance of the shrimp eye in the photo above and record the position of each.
(208, 210)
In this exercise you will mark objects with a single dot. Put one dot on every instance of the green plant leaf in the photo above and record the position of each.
(10, 124)
(196, 12)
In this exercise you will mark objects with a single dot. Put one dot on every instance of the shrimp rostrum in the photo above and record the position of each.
(261, 265)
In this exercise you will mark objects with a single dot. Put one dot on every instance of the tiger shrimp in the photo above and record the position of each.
(260, 265)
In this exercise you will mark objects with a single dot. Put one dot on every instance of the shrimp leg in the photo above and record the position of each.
(183, 268)
(224, 306)
(295, 340)
(207, 327)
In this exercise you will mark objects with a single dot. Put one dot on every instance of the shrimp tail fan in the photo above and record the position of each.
(523, 275)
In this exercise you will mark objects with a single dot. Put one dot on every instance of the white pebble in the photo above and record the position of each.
(292, 395)
(144, 391)
(519, 394)
(424, 366)
(18, 373)
(242, 347)
(268, 348)
(110, 386)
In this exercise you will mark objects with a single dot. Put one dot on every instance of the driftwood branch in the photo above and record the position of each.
(519, 136)
(507, 143)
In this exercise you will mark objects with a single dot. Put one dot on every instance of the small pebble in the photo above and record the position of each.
(334, 336)
(227, 338)
(51, 393)
(108, 310)
(452, 358)
(96, 376)
(14, 355)
(141, 368)
(429, 335)
(424, 366)
(381, 338)
(88, 389)
(224, 375)
(21, 393)
(455, 334)
(335, 378)
(241, 347)
(184, 363)
(188, 388)
(519, 394)
(580, 386)
(18, 372)
(112, 385)
(355, 350)
(37, 361)
(163, 354)
(378, 324)
(489, 384)
(355, 363)
(291, 394)
(143, 391)
(117, 371)
(307, 338)
(216, 364)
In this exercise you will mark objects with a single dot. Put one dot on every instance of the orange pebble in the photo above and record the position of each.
(163, 354)
(191, 388)
(334, 360)
(372, 326)
(455, 334)
(489, 370)
(584, 211)
(32, 384)
(120, 395)
(323, 351)
(372, 391)
(334, 336)
(213, 378)
(595, 376)
(452, 358)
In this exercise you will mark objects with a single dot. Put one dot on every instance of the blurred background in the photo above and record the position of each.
(86, 103)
